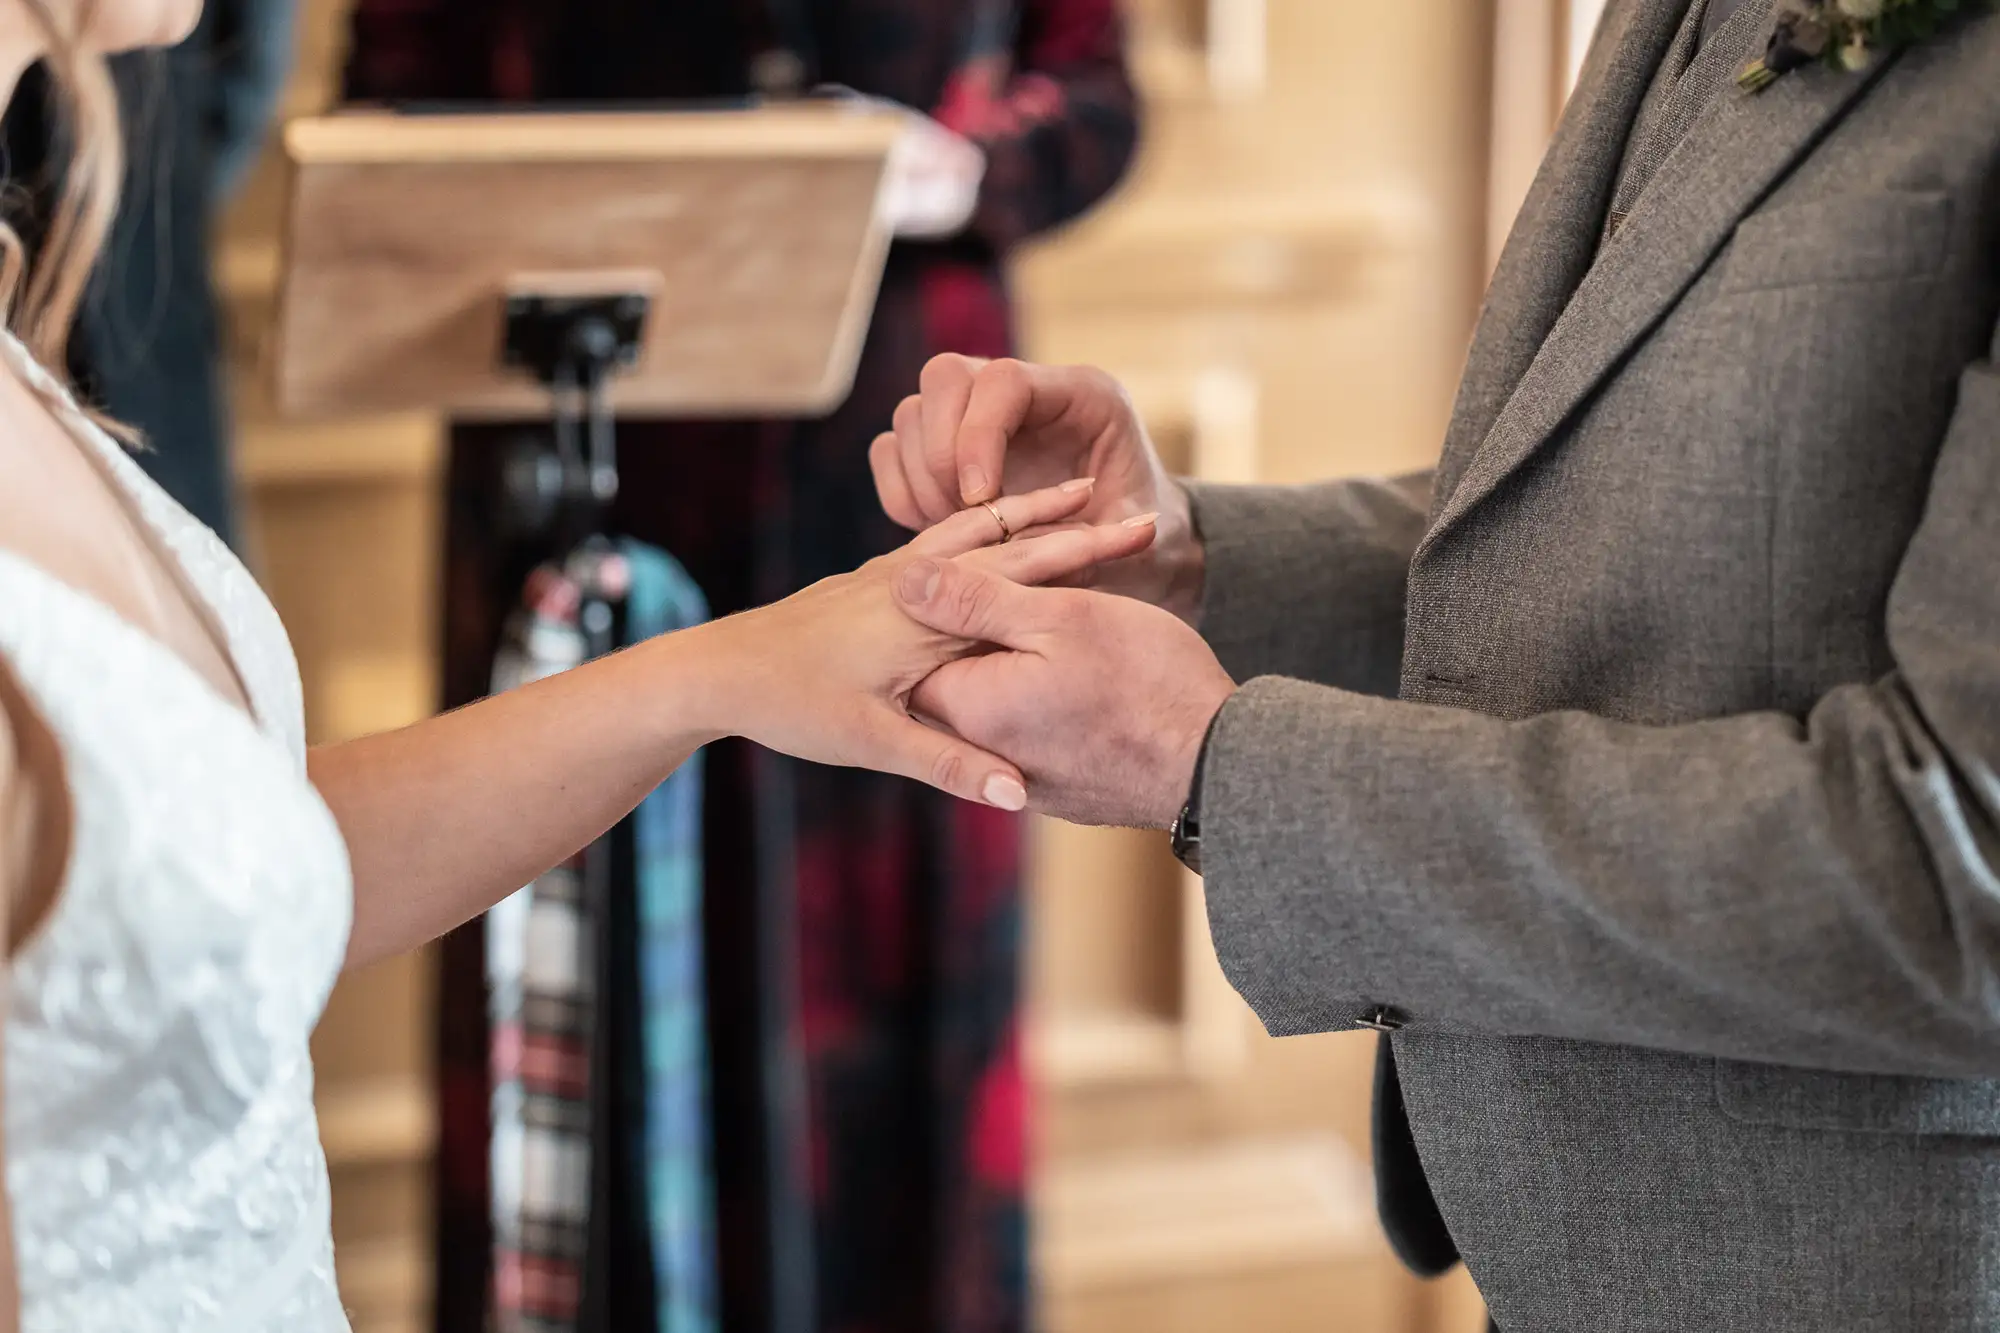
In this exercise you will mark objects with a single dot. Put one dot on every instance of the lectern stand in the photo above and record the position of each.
(573, 267)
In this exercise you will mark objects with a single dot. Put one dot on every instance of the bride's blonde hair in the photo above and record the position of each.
(40, 300)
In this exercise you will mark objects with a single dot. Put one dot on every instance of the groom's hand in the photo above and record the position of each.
(1101, 702)
(980, 429)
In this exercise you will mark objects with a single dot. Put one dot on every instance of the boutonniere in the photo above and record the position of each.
(1845, 34)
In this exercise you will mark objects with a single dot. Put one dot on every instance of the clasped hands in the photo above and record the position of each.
(1098, 695)
(981, 666)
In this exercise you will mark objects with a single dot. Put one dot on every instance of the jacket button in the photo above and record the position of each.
(1380, 1018)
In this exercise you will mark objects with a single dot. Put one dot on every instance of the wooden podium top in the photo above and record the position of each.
(818, 130)
(756, 233)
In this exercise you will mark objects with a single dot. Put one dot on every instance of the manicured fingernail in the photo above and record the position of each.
(1142, 521)
(1003, 793)
(972, 484)
(919, 582)
(1080, 484)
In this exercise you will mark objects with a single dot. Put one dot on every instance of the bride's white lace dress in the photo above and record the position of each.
(163, 1161)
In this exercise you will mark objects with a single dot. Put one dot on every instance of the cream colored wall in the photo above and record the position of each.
(1323, 231)
(1582, 17)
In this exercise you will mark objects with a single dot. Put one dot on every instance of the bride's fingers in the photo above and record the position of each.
(910, 749)
(1083, 578)
(970, 529)
(1066, 553)
(1044, 529)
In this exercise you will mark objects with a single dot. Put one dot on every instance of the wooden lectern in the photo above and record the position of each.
(574, 267)
(751, 241)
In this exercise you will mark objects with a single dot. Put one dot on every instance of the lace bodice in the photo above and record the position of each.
(163, 1160)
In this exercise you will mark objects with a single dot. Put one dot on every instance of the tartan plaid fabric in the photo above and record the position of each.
(542, 979)
(541, 1109)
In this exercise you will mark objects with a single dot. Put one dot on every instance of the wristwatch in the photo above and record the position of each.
(1185, 835)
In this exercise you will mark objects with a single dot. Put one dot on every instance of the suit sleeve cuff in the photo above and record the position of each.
(1319, 809)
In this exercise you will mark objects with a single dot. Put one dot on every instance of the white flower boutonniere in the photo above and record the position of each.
(1845, 34)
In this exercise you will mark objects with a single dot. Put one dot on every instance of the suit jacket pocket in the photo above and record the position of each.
(1867, 1103)
(1880, 237)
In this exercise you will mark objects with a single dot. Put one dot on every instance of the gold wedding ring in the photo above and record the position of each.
(1006, 533)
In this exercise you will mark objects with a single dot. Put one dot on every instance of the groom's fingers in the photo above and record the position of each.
(1012, 397)
(891, 486)
(936, 503)
(1063, 554)
(957, 598)
(912, 750)
(1000, 396)
(945, 390)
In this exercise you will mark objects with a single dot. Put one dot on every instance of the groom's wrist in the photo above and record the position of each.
(1181, 559)
(1185, 834)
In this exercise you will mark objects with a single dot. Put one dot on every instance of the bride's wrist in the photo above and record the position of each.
(695, 681)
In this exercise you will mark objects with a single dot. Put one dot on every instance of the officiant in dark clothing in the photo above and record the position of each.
(907, 905)
(148, 344)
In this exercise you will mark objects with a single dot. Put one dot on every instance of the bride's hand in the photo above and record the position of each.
(826, 674)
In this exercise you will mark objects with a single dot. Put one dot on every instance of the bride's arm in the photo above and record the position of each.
(445, 818)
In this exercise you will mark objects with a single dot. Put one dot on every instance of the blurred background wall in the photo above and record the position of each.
(1287, 282)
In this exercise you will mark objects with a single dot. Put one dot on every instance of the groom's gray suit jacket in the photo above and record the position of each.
(1642, 767)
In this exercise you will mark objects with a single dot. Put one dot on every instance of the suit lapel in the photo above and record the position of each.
(1555, 236)
(1738, 149)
